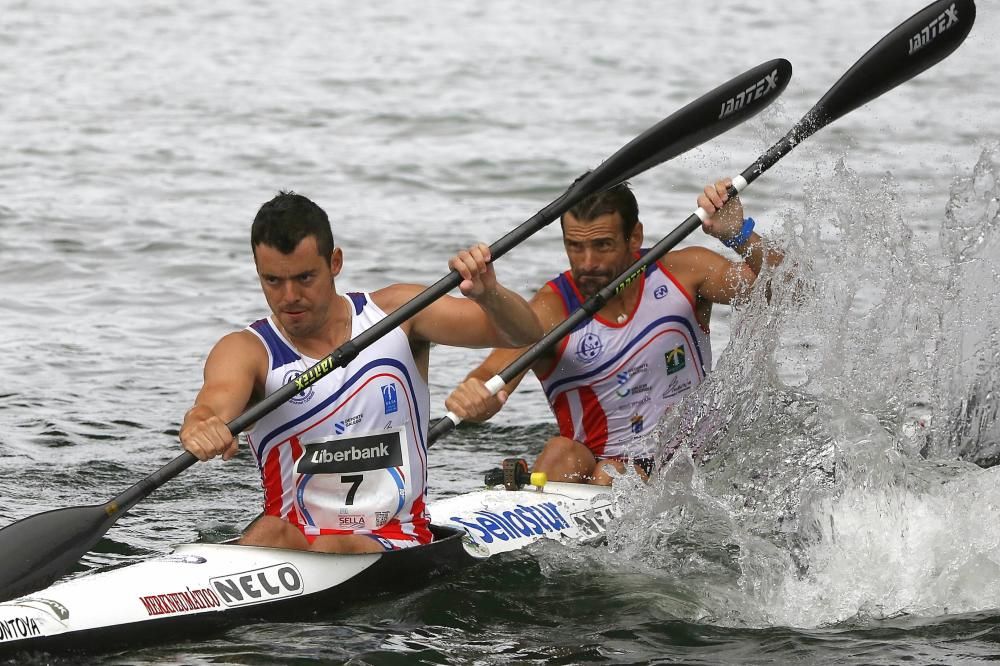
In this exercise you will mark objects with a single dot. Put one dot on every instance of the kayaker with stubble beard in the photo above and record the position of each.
(611, 379)
(343, 463)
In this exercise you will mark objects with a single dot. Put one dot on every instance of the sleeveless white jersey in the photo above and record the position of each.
(612, 382)
(349, 454)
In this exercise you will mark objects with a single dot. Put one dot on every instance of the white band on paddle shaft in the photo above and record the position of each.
(493, 385)
(739, 182)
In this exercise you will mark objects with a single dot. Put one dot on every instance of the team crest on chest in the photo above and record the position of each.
(589, 348)
(301, 396)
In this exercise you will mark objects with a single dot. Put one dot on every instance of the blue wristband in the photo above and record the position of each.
(743, 236)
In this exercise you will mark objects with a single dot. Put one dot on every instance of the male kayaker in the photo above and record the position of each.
(611, 379)
(344, 462)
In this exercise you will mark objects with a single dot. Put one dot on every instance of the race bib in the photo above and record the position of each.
(355, 482)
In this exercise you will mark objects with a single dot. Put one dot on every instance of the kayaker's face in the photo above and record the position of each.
(597, 250)
(299, 287)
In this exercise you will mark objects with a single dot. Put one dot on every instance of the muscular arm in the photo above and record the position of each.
(490, 315)
(715, 278)
(461, 322)
(230, 376)
(471, 401)
(709, 276)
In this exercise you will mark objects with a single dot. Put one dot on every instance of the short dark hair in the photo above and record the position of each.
(288, 218)
(618, 199)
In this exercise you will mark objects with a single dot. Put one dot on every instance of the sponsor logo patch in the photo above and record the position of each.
(352, 454)
(180, 602)
(676, 360)
(624, 391)
(676, 386)
(641, 401)
(54, 608)
(341, 426)
(628, 373)
(660, 292)
(524, 521)
(389, 398)
(15, 628)
(253, 587)
(636, 422)
(595, 520)
(351, 521)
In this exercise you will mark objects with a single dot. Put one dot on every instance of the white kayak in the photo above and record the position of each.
(204, 587)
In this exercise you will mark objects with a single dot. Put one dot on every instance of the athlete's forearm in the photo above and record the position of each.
(757, 252)
(514, 322)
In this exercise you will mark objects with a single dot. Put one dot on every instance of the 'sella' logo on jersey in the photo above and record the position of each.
(589, 348)
(302, 396)
(389, 398)
(676, 360)
(351, 522)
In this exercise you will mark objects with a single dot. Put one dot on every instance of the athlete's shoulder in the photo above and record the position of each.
(237, 354)
(240, 343)
(394, 296)
(243, 340)
(693, 261)
(548, 305)
(689, 255)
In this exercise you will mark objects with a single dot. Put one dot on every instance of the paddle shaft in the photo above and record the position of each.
(921, 41)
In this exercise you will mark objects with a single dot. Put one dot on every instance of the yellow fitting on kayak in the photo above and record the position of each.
(539, 479)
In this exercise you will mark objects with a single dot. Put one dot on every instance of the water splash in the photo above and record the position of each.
(836, 430)
(967, 424)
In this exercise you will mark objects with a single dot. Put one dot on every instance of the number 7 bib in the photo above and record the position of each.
(354, 483)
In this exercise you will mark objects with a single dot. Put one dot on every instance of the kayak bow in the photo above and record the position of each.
(200, 588)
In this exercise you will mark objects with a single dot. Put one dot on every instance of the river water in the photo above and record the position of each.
(843, 510)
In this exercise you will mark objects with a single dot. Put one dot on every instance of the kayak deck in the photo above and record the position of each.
(199, 588)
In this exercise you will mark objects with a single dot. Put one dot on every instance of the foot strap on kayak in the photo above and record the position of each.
(514, 475)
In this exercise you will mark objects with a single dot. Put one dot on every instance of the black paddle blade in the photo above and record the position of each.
(919, 43)
(38, 549)
(715, 112)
